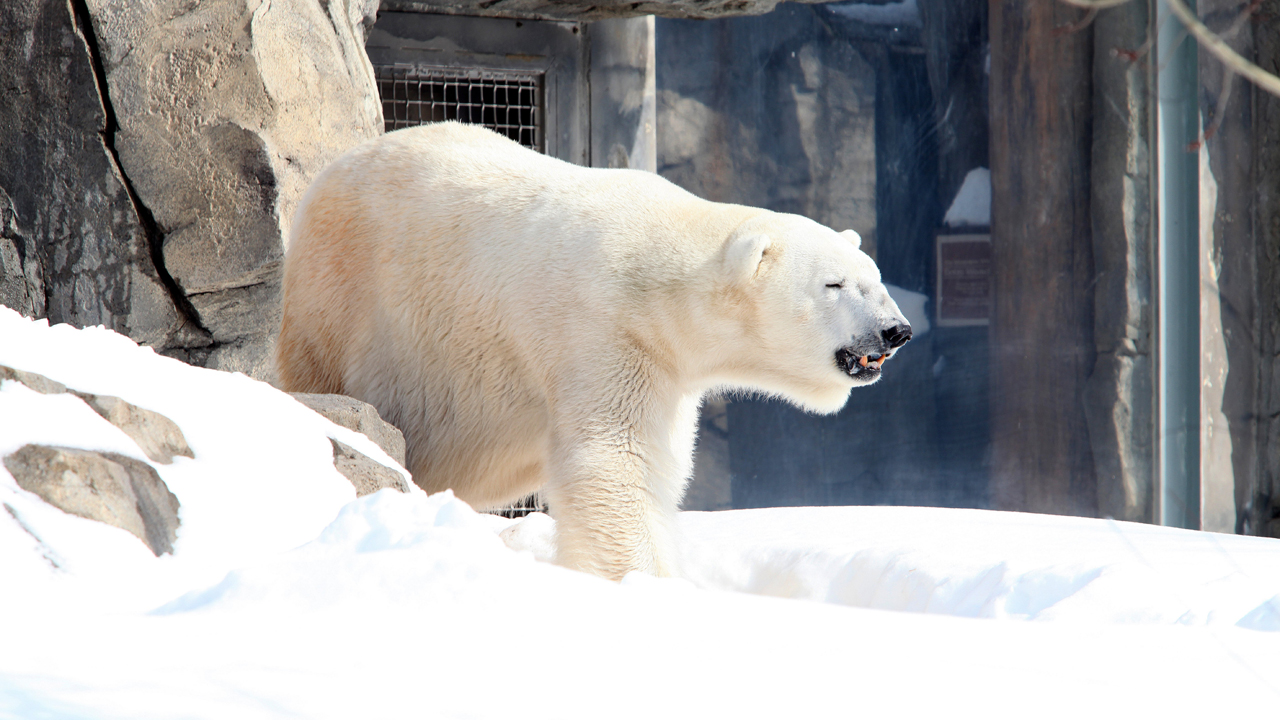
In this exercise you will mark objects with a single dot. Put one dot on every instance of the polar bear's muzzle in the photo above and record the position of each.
(863, 360)
(860, 366)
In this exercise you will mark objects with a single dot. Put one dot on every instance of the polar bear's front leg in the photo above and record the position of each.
(609, 519)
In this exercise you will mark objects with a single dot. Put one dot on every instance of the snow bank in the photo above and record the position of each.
(262, 481)
(985, 564)
(287, 598)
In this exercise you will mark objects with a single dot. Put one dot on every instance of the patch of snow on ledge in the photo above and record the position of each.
(911, 303)
(972, 204)
(905, 13)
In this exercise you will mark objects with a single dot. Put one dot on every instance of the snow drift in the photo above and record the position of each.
(287, 597)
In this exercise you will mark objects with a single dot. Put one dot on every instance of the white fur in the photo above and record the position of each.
(533, 324)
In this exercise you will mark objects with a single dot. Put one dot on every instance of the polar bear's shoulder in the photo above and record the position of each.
(457, 141)
(452, 132)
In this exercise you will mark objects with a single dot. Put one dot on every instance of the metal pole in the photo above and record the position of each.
(1178, 274)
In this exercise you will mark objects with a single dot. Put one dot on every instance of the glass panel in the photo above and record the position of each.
(1008, 213)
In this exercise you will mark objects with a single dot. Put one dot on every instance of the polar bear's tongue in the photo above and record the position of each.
(855, 364)
(875, 362)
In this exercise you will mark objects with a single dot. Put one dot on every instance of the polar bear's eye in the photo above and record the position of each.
(836, 285)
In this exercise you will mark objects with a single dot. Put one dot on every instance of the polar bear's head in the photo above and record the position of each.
(819, 321)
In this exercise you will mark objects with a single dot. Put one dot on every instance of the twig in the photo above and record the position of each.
(1220, 49)
(1219, 110)
(1076, 27)
(1210, 40)
(1137, 54)
(1242, 19)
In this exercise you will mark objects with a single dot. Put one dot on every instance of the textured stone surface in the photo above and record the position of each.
(158, 436)
(595, 9)
(357, 415)
(365, 473)
(227, 109)
(151, 155)
(1238, 185)
(39, 383)
(73, 246)
(1262, 506)
(106, 487)
(1118, 395)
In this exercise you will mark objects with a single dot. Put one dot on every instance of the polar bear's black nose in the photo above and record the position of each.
(896, 336)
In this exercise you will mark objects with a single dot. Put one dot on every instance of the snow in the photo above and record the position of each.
(286, 597)
(904, 14)
(972, 204)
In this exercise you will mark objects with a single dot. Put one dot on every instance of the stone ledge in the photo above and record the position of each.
(585, 10)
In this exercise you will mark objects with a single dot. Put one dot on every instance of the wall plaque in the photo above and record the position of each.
(965, 287)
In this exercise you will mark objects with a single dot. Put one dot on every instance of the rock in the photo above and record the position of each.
(1117, 398)
(227, 110)
(151, 155)
(158, 436)
(594, 9)
(17, 290)
(39, 383)
(73, 247)
(356, 415)
(366, 474)
(106, 487)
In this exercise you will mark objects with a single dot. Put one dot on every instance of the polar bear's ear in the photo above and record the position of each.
(852, 237)
(744, 255)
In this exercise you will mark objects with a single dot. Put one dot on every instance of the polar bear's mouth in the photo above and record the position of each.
(860, 366)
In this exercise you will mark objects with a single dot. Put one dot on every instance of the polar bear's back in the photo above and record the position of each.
(446, 211)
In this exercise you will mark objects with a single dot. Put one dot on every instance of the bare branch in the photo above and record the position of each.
(1241, 19)
(1219, 110)
(1075, 27)
(1220, 49)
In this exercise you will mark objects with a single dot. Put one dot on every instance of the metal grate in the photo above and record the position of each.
(506, 101)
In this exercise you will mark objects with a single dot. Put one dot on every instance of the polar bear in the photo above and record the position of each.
(531, 324)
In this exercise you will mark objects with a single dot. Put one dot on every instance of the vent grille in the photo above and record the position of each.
(504, 101)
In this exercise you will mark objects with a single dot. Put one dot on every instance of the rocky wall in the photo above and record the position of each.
(1118, 394)
(152, 153)
(1257, 426)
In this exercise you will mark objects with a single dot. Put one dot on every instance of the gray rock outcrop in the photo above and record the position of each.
(73, 245)
(365, 473)
(357, 415)
(151, 155)
(106, 487)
